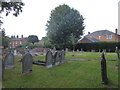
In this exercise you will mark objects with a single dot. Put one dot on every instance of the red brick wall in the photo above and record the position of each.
(103, 38)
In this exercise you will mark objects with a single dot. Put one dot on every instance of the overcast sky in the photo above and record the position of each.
(98, 14)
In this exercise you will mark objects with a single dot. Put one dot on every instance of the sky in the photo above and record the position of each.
(98, 14)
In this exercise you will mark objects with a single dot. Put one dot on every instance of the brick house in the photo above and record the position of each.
(16, 41)
(101, 35)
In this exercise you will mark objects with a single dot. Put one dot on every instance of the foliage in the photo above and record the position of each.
(64, 21)
(15, 7)
(109, 46)
(32, 39)
(73, 40)
(47, 43)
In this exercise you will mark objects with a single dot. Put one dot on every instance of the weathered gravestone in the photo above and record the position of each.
(104, 69)
(27, 61)
(62, 56)
(49, 59)
(56, 58)
(117, 51)
(15, 52)
(9, 61)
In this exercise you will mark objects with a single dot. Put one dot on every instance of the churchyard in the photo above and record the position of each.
(78, 70)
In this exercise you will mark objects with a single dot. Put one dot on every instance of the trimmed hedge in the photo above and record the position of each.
(109, 46)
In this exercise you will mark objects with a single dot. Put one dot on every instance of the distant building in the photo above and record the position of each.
(101, 35)
(16, 41)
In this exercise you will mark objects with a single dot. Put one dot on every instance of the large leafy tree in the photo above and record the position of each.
(64, 21)
(32, 39)
(9, 6)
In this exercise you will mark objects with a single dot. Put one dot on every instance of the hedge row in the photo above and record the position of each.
(109, 46)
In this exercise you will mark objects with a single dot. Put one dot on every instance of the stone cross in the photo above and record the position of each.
(9, 61)
(104, 69)
(27, 62)
(49, 59)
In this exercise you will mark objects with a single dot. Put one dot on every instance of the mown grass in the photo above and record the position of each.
(72, 74)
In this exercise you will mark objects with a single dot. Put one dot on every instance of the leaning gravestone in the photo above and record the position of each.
(49, 59)
(27, 61)
(104, 69)
(9, 61)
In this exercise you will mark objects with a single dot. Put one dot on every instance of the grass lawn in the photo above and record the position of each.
(72, 74)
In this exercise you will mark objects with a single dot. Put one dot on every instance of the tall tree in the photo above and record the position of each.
(32, 39)
(64, 21)
(9, 6)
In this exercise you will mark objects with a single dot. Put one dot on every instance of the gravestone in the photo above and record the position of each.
(104, 69)
(27, 61)
(9, 61)
(66, 50)
(117, 51)
(77, 50)
(57, 58)
(15, 52)
(62, 56)
(49, 59)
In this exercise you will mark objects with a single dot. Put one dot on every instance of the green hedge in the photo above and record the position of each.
(98, 46)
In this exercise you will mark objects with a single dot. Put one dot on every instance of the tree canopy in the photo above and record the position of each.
(32, 39)
(7, 7)
(64, 21)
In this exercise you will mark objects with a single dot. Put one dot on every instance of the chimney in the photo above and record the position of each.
(116, 31)
(17, 36)
(21, 36)
(88, 32)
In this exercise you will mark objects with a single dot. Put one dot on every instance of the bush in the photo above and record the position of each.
(109, 46)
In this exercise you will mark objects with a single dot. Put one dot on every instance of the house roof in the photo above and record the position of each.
(100, 32)
(92, 39)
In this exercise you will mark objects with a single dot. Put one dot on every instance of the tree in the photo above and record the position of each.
(73, 40)
(32, 39)
(64, 21)
(7, 7)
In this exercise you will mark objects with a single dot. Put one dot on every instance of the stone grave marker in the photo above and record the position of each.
(15, 52)
(57, 58)
(66, 50)
(104, 69)
(117, 51)
(49, 59)
(27, 61)
(62, 56)
(9, 61)
(77, 50)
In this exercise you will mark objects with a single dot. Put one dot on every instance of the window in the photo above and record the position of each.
(109, 37)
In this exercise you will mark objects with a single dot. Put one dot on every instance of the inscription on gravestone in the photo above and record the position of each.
(27, 61)
(104, 69)
(9, 61)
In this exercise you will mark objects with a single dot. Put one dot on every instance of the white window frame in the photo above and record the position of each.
(108, 36)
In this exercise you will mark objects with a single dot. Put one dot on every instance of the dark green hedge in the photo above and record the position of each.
(98, 46)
